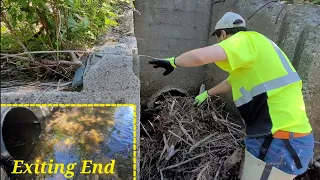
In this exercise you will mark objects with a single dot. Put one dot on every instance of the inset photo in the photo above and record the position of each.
(68, 142)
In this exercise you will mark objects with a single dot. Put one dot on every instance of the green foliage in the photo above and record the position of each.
(316, 2)
(55, 24)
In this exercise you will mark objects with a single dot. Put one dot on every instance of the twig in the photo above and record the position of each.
(146, 131)
(41, 95)
(281, 12)
(179, 137)
(219, 1)
(43, 52)
(235, 140)
(65, 51)
(165, 147)
(186, 133)
(56, 85)
(232, 160)
(219, 169)
(38, 63)
(200, 174)
(74, 58)
(152, 125)
(261, 8)
(172, 107)
(14, 56)
(183, 162)
(200, 142)
(44, 61)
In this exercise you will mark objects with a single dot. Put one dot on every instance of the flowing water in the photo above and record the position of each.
(74, 134)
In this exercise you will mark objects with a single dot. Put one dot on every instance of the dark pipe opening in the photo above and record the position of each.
(20, 131)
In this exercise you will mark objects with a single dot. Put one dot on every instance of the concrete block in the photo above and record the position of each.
(170, 31)
(298, 16)
(143, 4)
(179, 5)
(193, 5)
(167, 16)
(308, 68)
(165, 44)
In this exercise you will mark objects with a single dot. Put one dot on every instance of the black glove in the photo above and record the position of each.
(167, 63)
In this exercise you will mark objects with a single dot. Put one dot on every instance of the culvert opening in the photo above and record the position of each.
(20, 132)
(181, 141)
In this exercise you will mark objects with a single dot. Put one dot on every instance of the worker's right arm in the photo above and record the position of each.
(221, 88)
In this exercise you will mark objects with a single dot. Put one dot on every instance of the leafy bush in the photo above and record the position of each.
(316, 2)
(55, 24)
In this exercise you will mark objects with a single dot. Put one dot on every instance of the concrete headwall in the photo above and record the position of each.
(295, 28)
(168, 28)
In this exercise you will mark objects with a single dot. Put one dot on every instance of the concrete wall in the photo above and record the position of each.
(295, 28)
(168, 28)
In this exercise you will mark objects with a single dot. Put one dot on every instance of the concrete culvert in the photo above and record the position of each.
(167, 90)
(20, 129)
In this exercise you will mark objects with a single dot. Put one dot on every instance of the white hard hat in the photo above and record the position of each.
(229, 20)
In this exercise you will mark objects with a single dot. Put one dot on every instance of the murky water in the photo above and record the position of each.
(75, 134)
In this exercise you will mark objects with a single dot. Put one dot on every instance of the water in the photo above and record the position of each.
(75, 134)
(121, 139)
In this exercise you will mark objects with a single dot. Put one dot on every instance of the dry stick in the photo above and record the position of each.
(146, 132)
(180, 138)
(31, 60)
(56, 85)
(200, 174)
(219, 169)
(228, 122)
(280, 12)
(151, 125)
(224, 123)
(63, 51)
(172, 105)
(164, 150)
(183, 162)
(41, 95)
(14, 56)
(186, 133)
(74, 58)
(44, 61)
(230, 131)
(200, 142)
(261, 8)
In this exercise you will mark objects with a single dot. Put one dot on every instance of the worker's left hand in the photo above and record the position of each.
(167, 63)
(200, 98)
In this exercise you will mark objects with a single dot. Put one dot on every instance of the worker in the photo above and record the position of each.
(266, 90)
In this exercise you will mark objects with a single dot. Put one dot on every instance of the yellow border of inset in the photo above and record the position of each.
(134, 157)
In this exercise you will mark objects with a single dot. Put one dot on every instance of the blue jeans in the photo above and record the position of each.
(279, 157)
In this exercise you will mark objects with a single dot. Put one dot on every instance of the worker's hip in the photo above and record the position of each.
(291, 160)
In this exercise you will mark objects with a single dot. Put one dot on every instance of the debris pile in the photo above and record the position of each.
(44, 70)
(181, 141)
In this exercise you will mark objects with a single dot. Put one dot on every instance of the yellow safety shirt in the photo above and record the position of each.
(266, 88)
